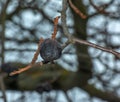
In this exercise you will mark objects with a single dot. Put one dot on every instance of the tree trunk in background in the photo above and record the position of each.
(80, 26)
(2, 22)
(2, 32)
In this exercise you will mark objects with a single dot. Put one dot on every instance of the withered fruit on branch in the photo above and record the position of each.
(50, 50)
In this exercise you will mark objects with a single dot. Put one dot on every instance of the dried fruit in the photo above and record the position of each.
(50, 50)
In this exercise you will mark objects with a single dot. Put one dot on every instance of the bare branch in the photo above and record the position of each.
(72, 39)
(117, 54)
(37, 52)
(26, 68)
(77, 10)
(63, 19)
(32, 62)
(55, 27)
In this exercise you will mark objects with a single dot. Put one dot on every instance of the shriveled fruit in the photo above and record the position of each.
(50, 50)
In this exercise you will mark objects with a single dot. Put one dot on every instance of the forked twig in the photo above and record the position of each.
(99, 9)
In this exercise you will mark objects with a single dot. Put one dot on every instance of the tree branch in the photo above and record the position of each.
(63, 19)
(32, 62)
(71, 39)
(80, 41)
(2, 23)
(55, 27)
(77, 10)
(2, 75)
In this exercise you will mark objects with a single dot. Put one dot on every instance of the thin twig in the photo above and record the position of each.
(55, 27)
(117, 54)
(32, 62)
(63, 19)
(99, 9)
(37, 52)
(64, 25)
(77, 10)
(26, 68)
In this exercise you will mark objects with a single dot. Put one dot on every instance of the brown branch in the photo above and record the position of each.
(77, 10)
(25, 68)
(117, 54)
(37, 52)
(32, 62)
(55, 27)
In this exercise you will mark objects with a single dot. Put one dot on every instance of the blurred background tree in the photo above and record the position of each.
(82, 73)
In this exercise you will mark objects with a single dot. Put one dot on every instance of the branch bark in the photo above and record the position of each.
(2, 22)
(3, 86)
(80, 41)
